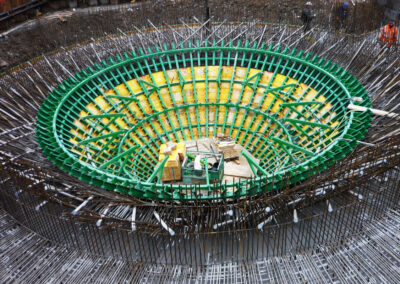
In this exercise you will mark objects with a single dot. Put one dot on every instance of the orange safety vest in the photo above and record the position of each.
(389, 35)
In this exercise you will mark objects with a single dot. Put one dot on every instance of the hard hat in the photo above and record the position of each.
(308, 3)
(346, 4)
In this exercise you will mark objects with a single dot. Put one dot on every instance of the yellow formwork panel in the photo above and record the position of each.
(134, 86)
(213, 72)
(266, 78)
(76, 133)
(172, 76)
(183, 116)
(248, 119)
(201, 92)
(202, 114)
(221, 114)
(247, 93)
(177, 95)
(239, 117)
(136, 109)
(165, 122)
(290, 81)
(128, 142)
(258, 96)
(134, 138)
(224, 92)
(199, 73)
(102, 103)
(159, 78)
(92, 108)
(120, 122)
(231, 114)
(73, 141)
(212, 92)
(195, 131)
(168, 97)
(174, 119)
(129, 116)
(154, 98)
(236, 91)
(325, 109)
(278, 80)
(310, 95)
(149, 129)
(145, 104)
(189, 93)
(227, 73)
(240, 73)
(80, 125)
(144, 79)
(186, 73)
(299, 91)
(257, 121)
(252, 74)
(122, 90)
(211, 114)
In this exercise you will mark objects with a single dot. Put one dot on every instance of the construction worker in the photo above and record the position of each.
(388, 35)
(341, 14)
(307, 16)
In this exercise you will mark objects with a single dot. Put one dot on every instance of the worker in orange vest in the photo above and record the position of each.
(388, 35)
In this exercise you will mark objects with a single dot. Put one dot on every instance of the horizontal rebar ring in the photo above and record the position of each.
(288, 109)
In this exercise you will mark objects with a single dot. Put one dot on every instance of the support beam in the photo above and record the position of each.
(294, 104)
(118, 157)
(306, 122)
(113, 134)
(104, 115)
(123, 98)
(296, 147)
(252, 163)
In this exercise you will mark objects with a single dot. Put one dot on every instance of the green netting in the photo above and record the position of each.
(288, 109)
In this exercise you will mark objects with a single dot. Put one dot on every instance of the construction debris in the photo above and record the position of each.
(226, 146)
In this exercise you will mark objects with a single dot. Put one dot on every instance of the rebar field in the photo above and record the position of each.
(192, 148)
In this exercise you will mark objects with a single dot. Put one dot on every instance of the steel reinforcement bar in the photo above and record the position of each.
(371, 185)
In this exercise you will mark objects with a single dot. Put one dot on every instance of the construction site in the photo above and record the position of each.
(200, 141)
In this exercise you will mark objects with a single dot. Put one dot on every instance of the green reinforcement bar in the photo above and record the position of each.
(288, 109)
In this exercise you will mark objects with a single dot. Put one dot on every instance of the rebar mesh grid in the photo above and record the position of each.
(326, 207)
(105, 125)
(372, 255)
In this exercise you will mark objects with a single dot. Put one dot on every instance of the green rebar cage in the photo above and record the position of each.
(287, 108)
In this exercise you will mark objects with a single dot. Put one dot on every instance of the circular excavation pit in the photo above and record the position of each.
(286, 109)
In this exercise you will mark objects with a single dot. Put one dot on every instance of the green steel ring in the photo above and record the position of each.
(105, 124)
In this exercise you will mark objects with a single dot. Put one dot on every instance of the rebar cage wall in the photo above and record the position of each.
(373, 174)
(359, 189)
(57, 34)
(333, 86)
